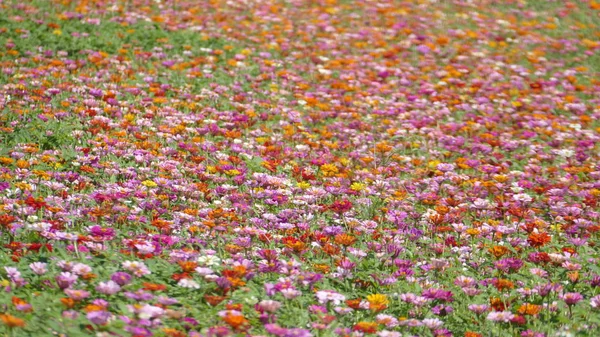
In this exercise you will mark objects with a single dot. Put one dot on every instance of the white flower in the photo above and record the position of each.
(148, 311)
(209, 260)
(204, 271)
(188, 283)
(39, 226)
(565, 153)
(522, 197)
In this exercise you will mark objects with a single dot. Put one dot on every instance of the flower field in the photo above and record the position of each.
(298, 168)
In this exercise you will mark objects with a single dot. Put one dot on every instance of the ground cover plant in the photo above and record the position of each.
(299, 168)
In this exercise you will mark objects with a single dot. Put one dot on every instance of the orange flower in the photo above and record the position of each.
(233, 249)
(236, 322)
(173, 332)
(366, 327)
(67, 302)
(93, 307)
(17, 301)
(11, 321)
(154, 286)
(498, 251)
(503, 284)
(187, 266)
(322, 268)
(497, 304)
(214, 300)
(6, 221)
(344, 239)
(529, 309)
(354, 303)
(472, 334)
(538, 239)
(294, 244)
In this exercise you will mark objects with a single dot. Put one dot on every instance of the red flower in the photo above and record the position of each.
(341, 207)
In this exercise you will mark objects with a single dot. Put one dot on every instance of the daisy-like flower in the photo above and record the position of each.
(81, 269)
(388, 320)
(77, 295)
(571, 298)
(326, 296)
(377, 302)
(65, 280)
(137, 268)
(39, 268)
(269, 305)
(99, 317)
(595, 302)
(147, 311)
(432, 323)
(478, 308)
(188, 283)
(108, 288)
(209, 260)
(500, 316)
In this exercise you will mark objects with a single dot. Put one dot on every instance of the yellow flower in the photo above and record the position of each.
(149, 183)
(357, 187)
(329, 170)
(57, 32)
(433, 164)
(303, 185)
(23, 186)
(377, 302)
(233, 172)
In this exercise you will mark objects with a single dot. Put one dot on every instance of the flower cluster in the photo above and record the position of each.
(299, 168)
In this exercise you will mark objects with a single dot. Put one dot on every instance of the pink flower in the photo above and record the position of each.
(39, 268)
(500, 316)
(108, 288)
(571, 298)
(77, 295)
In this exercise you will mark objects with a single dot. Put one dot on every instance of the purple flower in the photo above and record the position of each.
(571, 298)
(70, 314)
(108, 288)
(438, 294)
(105, 233)
(38, 268)
(77, 295)
(65, 280)
(276, 330)
(218, 331)
(423, 49)
(442, 310)
(98, 317)
(121, 278)
(478, 308)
